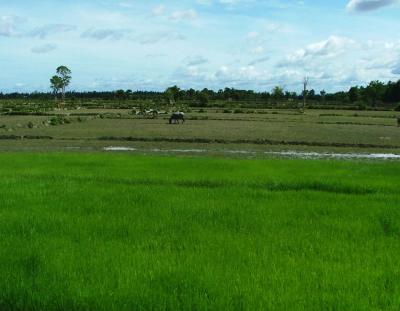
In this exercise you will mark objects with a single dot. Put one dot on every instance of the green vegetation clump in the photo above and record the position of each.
(362, 106)
(122, 232)
(59, 120)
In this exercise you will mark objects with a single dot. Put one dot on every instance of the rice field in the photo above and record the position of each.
(95, 231)
(273, 129)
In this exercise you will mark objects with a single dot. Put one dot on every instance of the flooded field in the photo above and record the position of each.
(285, 154)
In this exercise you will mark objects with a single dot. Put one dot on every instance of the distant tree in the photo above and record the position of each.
(172, 94)
(392, 94)
(191, 94)
(278, 93)
(120, 94)
(353, 94)
(61, 80)
(375, 92)
(228, 94)
(202, 97)
(128, 93)
(311, 94)
(323, 95)
(56, 86)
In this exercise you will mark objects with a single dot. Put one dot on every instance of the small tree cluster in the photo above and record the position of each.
(60, 81)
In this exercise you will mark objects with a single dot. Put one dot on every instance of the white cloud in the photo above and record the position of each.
(253, 35)
(331, 47)
(258, 50)
(46, 48)
(125, 5)
(157, 37)
(368, 5)
(51, 29)
(158, 10)
(105, 33)
(9, 25)
(259, 61)
(184, 15)
(195, 60)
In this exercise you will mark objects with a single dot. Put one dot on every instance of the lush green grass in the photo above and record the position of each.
(117, 232)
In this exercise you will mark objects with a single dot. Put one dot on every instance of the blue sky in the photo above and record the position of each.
(246, 44)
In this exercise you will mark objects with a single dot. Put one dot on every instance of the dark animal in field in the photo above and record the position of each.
(177, 117)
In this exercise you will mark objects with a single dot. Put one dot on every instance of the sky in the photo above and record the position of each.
(244, 44)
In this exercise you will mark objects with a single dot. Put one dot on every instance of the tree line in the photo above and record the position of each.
(375, 94)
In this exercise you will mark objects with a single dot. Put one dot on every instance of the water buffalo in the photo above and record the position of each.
(176, 117)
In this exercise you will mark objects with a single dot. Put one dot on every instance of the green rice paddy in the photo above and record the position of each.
(128, 232)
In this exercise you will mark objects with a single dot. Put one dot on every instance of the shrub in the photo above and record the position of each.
(55, 121)
(397, 108)
(238, 111)
(58, 120)
(30, 125)
(362, 106)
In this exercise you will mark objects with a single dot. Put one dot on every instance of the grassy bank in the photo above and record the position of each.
(120, 232)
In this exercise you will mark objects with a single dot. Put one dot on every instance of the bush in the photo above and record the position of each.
(55, 121)
(238, 111)
(59, 120)
(30, 125)
(397, 108)
(362, 106)
(227, 111)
